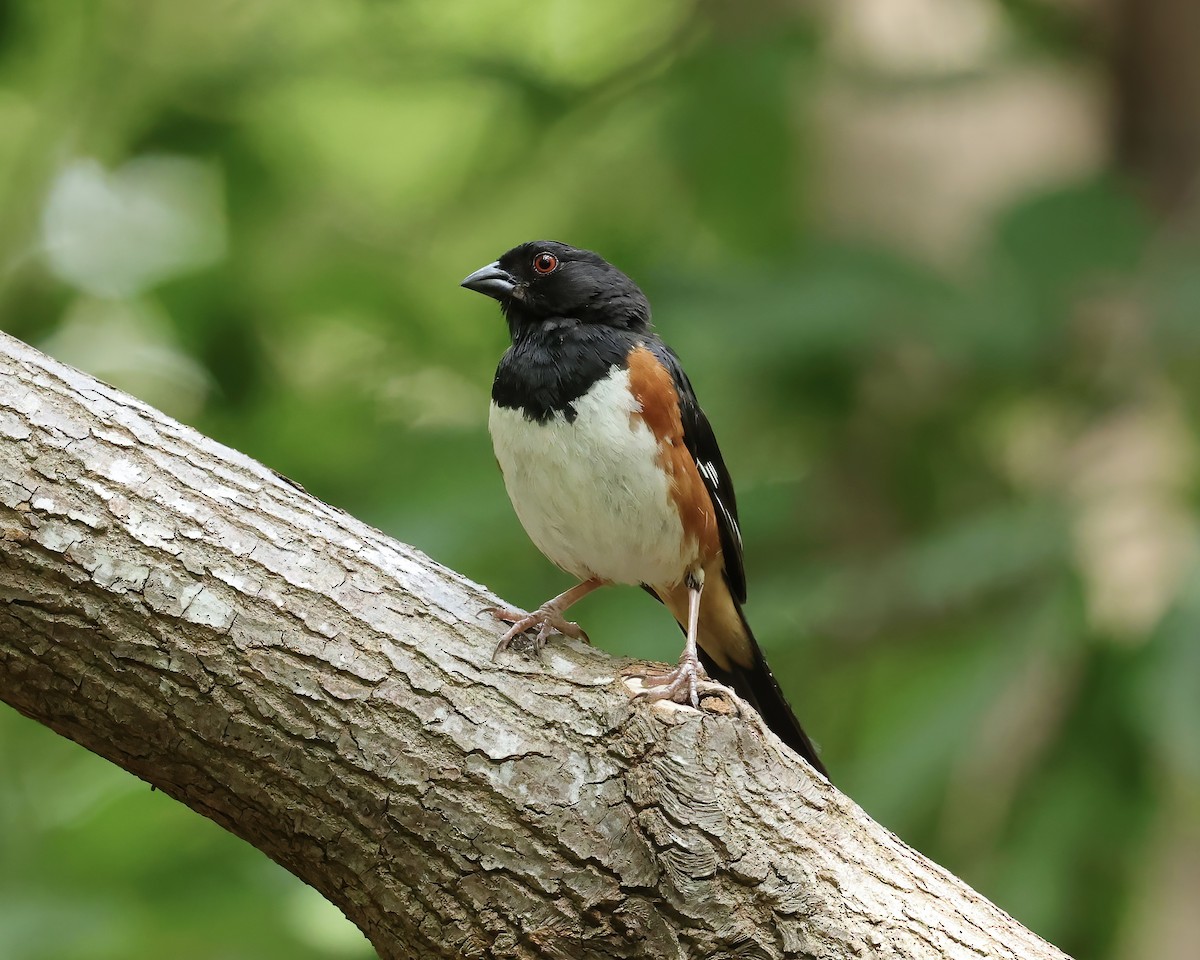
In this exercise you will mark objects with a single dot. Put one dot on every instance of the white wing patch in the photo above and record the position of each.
(708, 471)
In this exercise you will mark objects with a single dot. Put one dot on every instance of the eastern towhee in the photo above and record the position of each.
(614, 471)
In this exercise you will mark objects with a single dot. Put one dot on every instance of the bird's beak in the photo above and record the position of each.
(492, 281)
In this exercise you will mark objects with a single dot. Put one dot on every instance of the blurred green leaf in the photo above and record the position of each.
(923, 452)
(1063, 242)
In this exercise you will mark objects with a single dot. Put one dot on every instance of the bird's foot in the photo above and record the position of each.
(681, 685)
(546, 619)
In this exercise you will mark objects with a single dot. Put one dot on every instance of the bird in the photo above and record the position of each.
(614, 471)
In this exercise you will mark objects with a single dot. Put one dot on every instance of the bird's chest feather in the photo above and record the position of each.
(589, 488)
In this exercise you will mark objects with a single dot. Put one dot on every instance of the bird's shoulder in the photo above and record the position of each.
(701, 442)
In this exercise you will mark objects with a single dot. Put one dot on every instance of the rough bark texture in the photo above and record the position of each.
(327, 693)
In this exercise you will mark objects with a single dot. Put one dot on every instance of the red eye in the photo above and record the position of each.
(545, 263)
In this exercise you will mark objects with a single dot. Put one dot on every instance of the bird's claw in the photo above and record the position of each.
(503, 613)
(681, 685)
(548, 622)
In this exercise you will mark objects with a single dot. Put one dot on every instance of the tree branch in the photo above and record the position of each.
(327, 694)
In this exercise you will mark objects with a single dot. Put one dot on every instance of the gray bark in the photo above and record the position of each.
(327, 693)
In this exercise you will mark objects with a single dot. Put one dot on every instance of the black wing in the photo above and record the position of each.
(702, 445)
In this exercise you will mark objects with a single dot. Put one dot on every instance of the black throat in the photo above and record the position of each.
(554, 362)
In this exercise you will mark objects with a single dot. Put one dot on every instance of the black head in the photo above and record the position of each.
(547, 281)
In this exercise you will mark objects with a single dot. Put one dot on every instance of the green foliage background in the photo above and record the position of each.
(968, 488)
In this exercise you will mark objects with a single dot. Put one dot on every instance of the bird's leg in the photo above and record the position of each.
(680, 684)
(548, 618)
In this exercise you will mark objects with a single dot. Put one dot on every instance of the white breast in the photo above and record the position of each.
(590, 492)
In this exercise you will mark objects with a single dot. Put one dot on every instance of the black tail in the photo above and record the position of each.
(757, 685)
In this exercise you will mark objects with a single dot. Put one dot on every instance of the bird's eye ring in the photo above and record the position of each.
(545, 263)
